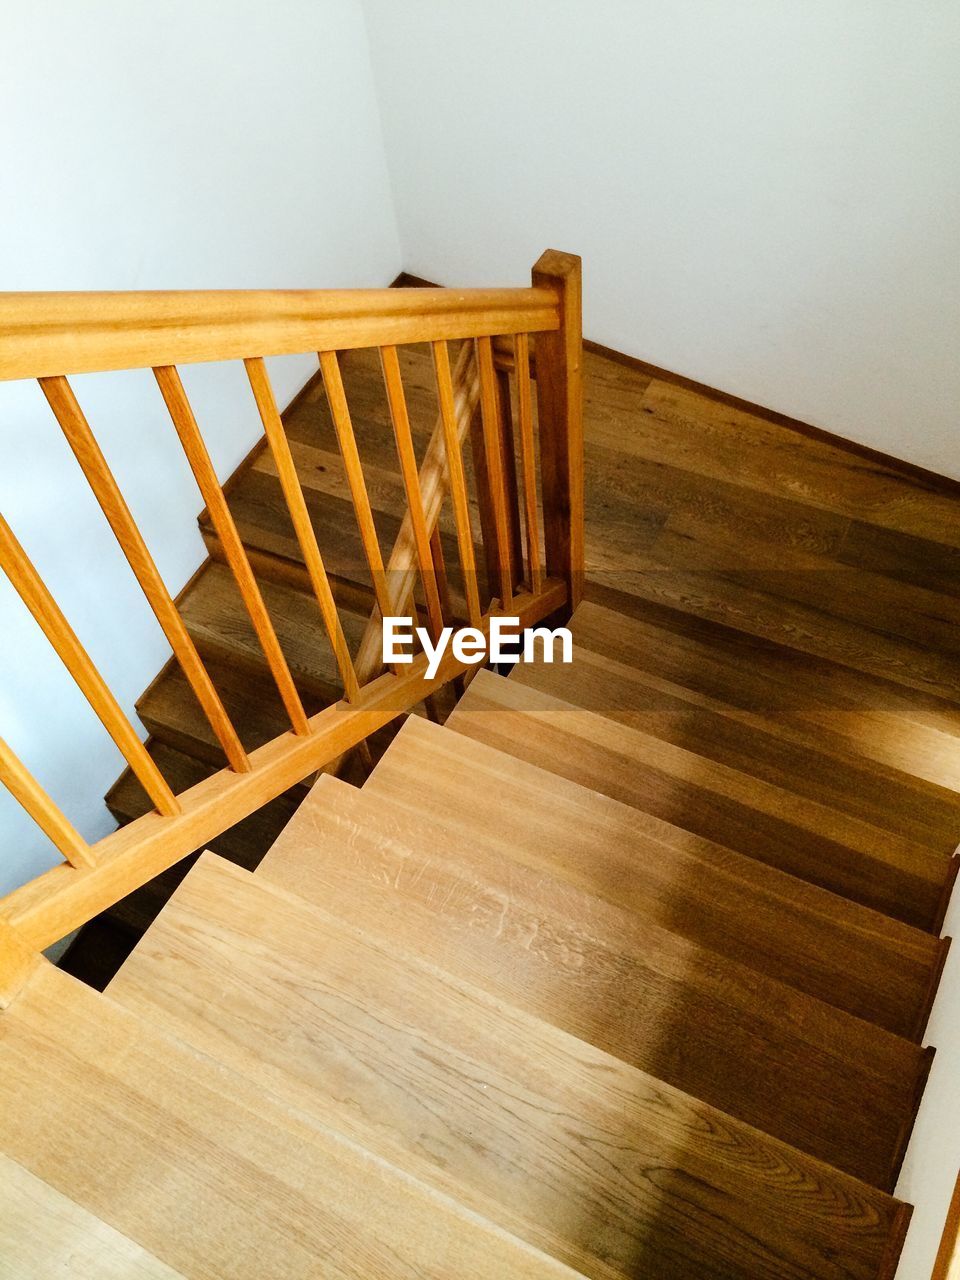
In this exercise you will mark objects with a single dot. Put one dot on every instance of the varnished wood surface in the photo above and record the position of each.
(727, 707)
(797, 1068)
(207, 1171)
(617, 1173)
(52, 905)
(789, 929)
(45, 1235)
(44, 334)
(879, 868)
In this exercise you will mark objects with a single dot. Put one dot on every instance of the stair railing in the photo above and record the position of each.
(50, 336)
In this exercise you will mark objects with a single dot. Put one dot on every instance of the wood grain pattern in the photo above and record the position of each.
(55, 903)
(769, 747)
(880, 869)
(828, 1083)
(557, 1139)
(819, 702)
(831, 948)
(47, 1236)
(46, 334)
(253, 1188)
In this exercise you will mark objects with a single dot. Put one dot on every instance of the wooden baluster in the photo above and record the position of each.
(458, 484)
(25, 789)
(511, 487)
(77, 431)
(402, 562)
(296, 505)
(440, 569)
(186, 427)
(528, 459)
(560, 402)
(411, 483)
(339, 411)
(490, 409)
(33, 592)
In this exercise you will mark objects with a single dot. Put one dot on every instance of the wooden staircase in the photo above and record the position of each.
(615, 969)
(430, 1035)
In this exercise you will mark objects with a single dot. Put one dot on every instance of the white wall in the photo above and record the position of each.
(766, 193)
(180, 144)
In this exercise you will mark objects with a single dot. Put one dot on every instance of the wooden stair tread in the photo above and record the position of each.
(257, 502)
(820, 1079)
(43, 1233)
(221, 629)
(171, 713)
(613, 1171)
(244, 844)
(828, 946)
(209, 1172)
(877, 868)
(820, 702)
(765, 747)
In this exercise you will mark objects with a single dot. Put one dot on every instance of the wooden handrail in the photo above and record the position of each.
(50, 906)
(45, 334)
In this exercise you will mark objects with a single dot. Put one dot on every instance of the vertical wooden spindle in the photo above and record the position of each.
(340, 413)
(458, 484)
(25, 789)
(528, 459)
(181, 414)
(94, 466)
(32, 590)
(490, 409)
(300, 516)
(411, 483)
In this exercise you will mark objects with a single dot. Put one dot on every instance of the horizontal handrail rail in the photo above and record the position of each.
(50, 334)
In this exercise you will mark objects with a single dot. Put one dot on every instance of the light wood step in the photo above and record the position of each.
(207, 1171)
(583, 1155)
(830, 1084)
(44, 1235)
(877, 868)
(798, 933)
(818, 702)
(767, 747)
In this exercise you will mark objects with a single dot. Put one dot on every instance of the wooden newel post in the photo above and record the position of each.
(559, 356)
